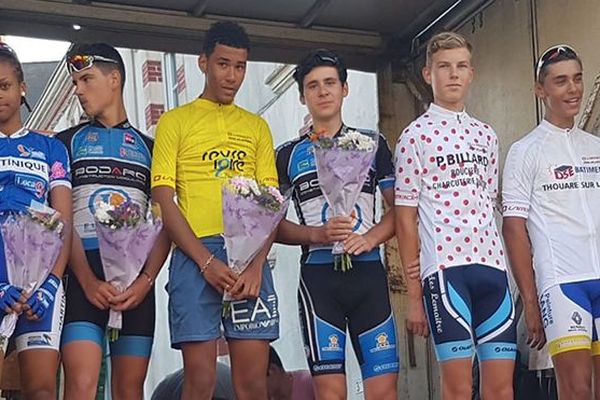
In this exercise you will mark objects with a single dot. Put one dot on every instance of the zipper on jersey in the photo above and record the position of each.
(584, 202)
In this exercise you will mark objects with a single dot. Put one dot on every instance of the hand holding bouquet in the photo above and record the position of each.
(343, 163)
(32, 243)
(251, 212)
(126, 235)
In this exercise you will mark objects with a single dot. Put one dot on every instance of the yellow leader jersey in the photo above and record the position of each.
(200, 145)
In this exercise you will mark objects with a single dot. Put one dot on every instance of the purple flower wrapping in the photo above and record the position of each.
(30, 250)
(342, 174)
(124, 252)
(247, 226)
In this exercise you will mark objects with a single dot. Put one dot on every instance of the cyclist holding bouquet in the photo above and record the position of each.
(34, 168)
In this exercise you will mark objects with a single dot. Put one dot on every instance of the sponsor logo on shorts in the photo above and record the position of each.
(334, 343)
(385, 367)
(456, 349)
(576, 317)
(505, 349)
(435, 305)
(327, 367)
(43, 339)
(382, 343)
(546, 309)
(260, 316)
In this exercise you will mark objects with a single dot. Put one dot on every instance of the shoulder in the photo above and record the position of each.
(285, 149)
(66, 135)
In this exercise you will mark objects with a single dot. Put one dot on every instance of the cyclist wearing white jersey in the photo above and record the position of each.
(445, 190)
(551, 223)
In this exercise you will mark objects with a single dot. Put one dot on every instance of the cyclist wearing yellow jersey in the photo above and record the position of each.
(197, 146)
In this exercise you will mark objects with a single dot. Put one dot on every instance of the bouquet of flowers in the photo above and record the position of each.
(343, 163)
(125, 237)
(32, 243)
(251, 212)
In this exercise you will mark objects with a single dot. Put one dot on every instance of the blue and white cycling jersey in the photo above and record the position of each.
(110, 165)
(31, 164)
(297, 170)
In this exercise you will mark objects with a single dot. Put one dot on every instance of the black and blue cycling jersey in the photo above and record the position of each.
(108, 164)
(297, 170)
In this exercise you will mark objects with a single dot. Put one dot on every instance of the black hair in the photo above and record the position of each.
(319, 58)
(103, 50)
(274, 358)
(227, 33)
(8, 55)
(553, 55)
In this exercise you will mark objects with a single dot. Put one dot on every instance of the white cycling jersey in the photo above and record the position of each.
(552, 179)
(446, 165)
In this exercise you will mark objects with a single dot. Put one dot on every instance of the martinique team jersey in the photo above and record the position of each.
(31, 164)
(110, 165)
(201, 144)
(447, 166)
(297, 169)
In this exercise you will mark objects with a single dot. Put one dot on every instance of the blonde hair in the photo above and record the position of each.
(446, 41)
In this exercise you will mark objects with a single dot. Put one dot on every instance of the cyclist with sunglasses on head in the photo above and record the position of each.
(34, 168)
(110, 160)
(552, 227)
(333, 301)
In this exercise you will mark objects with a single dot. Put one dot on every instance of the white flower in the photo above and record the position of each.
(355, 140)
(102, 210)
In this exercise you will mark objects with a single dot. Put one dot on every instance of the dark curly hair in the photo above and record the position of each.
(226, 33)
(319, 58)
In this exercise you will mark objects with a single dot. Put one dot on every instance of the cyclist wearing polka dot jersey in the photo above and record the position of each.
(446, 165)
(445, 190)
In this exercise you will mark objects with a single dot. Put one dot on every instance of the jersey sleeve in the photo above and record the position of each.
(517, 182)
(164, 152)
(384, 164)
(266, 173)
(407, 188)
(282, 159)
(60, 167)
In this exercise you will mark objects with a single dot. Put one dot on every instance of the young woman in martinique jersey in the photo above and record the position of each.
(34, 169)
(446, 187)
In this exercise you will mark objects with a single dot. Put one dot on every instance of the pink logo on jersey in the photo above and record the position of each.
(564, 172)
(58, 171)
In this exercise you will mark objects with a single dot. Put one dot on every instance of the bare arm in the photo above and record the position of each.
(336, 229)
(516, 238)
(408, 245)
(61, 200)
(216, 273)
(379, 233)
(137, 291)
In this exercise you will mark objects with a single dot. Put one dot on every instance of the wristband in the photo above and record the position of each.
(148, 277)
(207, 263)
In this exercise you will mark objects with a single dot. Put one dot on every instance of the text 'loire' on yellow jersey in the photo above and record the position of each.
(201, 144)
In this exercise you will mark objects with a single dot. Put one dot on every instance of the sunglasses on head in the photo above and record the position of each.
(80, 62)
(4, 48)
(552, 53)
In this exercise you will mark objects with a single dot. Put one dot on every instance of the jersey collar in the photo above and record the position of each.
(20, 133)
(551, 128)
(442, 112)
(121, 125)
(212, 105)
